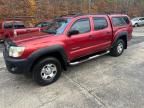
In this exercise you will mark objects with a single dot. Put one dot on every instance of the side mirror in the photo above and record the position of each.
(73, 32)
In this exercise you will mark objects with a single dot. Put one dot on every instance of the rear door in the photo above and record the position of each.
(80, 45)
(101, 33)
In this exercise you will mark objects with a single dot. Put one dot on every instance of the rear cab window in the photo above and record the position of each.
(15, 25)
(8, 25)
(118, 21)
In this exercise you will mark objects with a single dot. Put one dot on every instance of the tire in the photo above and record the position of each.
(47, 71)
(136, 25)
(118, 48)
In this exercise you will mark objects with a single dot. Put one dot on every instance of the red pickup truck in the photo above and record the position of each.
(67, 40)
(10, 28)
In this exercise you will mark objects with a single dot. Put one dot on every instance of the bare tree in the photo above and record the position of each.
(44, 9)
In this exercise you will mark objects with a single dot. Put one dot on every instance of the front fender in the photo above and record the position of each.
(46, 51)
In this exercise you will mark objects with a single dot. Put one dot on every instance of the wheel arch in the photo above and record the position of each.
(56, 51)
(123, 36)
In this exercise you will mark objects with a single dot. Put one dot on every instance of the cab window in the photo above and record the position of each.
(8, 25)
(100, 23)
(82, 25)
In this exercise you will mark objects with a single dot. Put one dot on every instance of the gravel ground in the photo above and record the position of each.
(138, 31)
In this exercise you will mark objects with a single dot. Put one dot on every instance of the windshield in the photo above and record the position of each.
(57, 26)
(43, 24)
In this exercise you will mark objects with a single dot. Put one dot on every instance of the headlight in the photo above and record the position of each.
(15, 51)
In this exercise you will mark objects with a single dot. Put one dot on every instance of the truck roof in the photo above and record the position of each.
(82, 15)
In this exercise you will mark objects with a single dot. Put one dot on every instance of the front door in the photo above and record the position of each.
(79, 44)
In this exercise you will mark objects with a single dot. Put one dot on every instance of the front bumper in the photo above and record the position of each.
(15, 65)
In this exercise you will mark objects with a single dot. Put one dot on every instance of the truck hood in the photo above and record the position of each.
(30, 37)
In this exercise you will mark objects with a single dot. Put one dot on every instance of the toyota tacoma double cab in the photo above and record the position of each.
(45, 54)
(14, 28)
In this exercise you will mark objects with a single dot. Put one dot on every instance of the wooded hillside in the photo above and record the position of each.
(43, 9)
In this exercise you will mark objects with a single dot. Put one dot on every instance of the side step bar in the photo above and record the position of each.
(87, 59)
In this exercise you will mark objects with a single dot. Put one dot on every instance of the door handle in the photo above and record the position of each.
(108, 32)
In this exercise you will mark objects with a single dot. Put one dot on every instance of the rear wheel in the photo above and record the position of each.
(118, 48)
(47, 71)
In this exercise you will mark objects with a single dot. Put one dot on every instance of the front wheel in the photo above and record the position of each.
(118, 48)
(47, 71)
